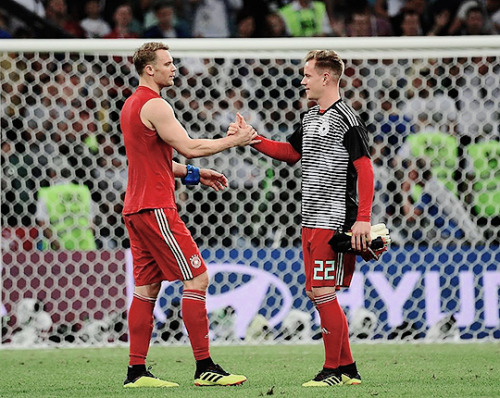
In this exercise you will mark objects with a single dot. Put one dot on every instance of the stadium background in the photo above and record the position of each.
(431, 105)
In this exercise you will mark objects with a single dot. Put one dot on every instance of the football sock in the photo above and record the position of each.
(345, 353)
(194, 315)
(134, 371)
(203, 364)
(332, 327)
(140, 328)
(350, 369)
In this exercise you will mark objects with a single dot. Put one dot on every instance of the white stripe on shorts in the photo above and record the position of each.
(339, 276)
(172, 244)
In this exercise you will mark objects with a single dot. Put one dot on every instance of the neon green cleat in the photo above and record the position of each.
(351, 380)
(214, 375)
(147, 380)
(325, 378)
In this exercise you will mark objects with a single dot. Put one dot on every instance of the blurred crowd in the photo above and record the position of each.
(114, 19)
(434, 127)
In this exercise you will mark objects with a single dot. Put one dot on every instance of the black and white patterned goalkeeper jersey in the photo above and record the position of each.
(329, 143)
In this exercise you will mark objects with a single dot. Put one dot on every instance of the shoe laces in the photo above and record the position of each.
(148, 372)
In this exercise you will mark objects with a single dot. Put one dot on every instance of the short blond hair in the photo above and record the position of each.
(146, 54)
(327, 59)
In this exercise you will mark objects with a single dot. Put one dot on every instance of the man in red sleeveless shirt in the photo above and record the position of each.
(162, 247)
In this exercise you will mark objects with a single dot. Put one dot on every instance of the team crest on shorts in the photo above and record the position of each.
(195, 261)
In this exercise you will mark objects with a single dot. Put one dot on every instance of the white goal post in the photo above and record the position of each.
(349, 47)
(431, 104)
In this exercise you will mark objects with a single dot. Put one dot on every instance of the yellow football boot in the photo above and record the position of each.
(147, 379)
(214, 375)
(325, 378)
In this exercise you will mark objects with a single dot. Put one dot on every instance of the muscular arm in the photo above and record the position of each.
(158, 115)
(283, 151)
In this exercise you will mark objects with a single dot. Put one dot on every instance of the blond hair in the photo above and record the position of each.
(327, 59)
(146, 54)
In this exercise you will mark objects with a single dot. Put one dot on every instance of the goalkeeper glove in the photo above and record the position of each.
(341, 243)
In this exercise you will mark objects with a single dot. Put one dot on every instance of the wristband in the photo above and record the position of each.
(192, 176)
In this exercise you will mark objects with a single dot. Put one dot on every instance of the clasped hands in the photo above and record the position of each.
(243, 130)
(245, 135)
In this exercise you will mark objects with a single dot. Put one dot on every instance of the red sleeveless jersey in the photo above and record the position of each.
(151, 183)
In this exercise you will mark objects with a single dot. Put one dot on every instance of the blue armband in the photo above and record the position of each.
(192, 176)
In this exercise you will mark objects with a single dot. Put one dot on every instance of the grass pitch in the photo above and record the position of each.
(388, 370)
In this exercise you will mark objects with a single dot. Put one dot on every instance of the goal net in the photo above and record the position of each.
(431, 106)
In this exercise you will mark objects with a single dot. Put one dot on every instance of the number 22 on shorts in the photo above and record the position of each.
(324, 270)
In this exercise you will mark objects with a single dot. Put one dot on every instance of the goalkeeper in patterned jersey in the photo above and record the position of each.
(337, 172)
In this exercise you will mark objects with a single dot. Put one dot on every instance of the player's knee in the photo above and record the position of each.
(199, 282)
(150, 291)
(320, 291)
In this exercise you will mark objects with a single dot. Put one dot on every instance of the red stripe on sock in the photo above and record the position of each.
(325, 298)
(193, 296)
(145, 299)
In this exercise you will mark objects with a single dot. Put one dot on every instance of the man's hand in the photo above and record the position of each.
(240, 126)
(239, 123)
(379, 241)
(232, 129)
(213, 179)
(361, 237)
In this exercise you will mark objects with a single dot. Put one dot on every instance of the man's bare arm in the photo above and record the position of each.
(180, 170)
(158, 115)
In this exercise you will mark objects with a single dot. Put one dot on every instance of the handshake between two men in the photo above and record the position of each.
(365, 240)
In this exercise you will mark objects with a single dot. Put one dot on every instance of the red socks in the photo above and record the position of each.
(140, 328)
(140, 325)
(345, 354)
(335, 331)
(194, 315)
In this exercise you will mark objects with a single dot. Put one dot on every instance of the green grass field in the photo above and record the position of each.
(388, 370)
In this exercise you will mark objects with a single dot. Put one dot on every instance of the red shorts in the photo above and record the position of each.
(322, 266)
(162, 247)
